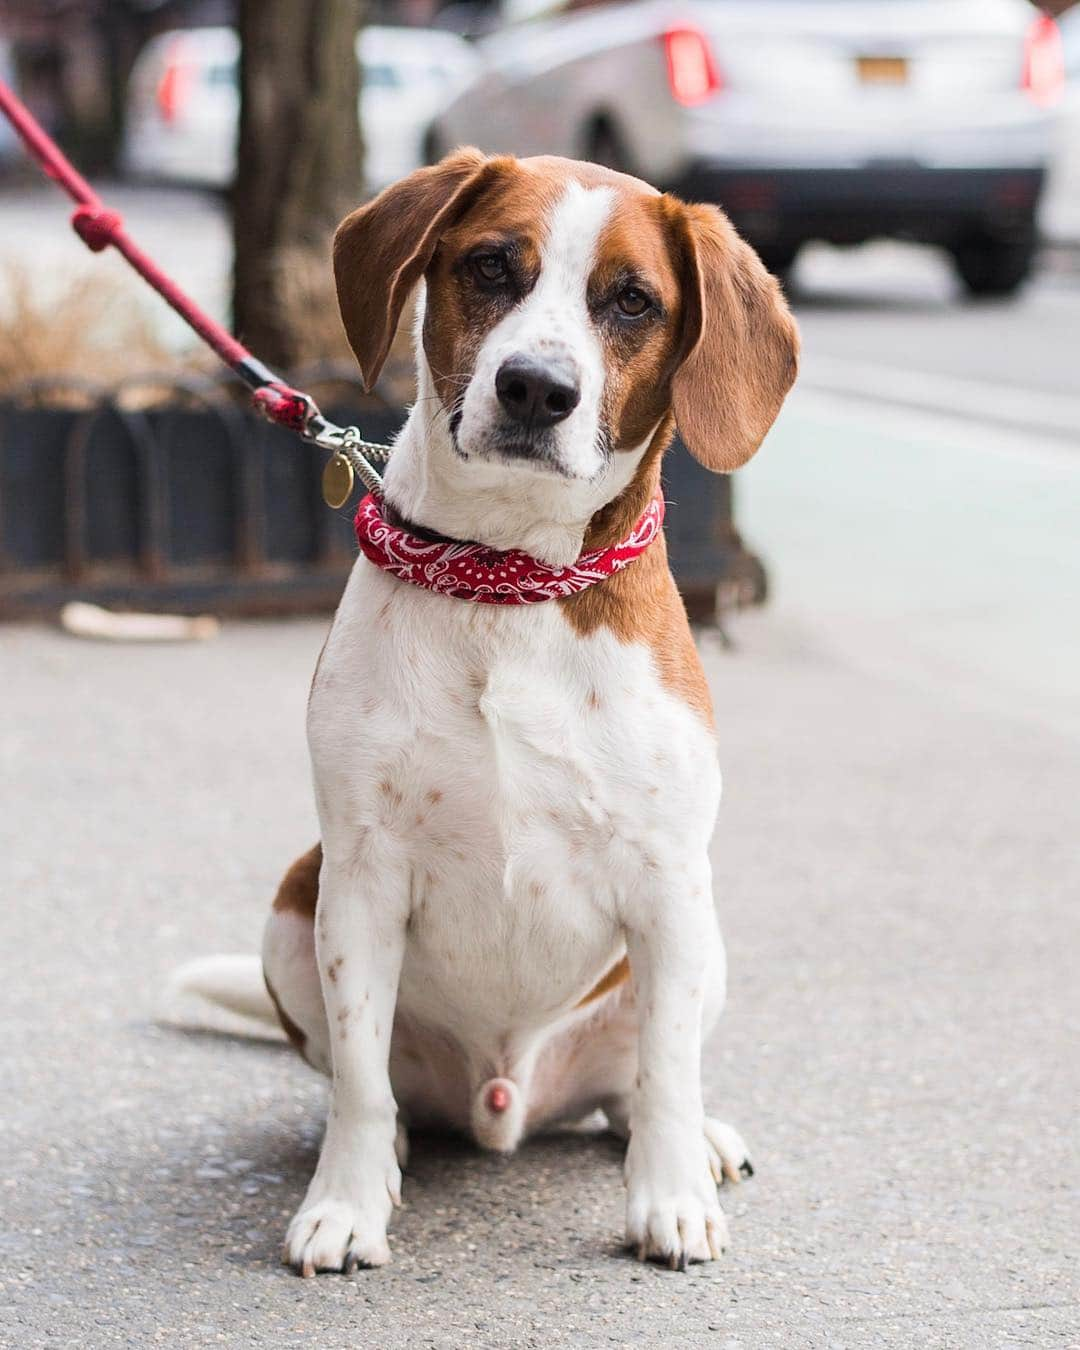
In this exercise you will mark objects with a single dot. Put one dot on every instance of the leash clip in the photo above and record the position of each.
(351, 455)
(351, 458)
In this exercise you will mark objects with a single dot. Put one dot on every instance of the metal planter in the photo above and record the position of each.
(191, 503)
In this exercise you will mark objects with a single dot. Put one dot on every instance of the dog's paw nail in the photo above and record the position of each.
(727, 1153)
(715, 1237)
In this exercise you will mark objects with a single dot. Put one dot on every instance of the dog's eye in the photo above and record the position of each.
(490, 267)
(633, 302)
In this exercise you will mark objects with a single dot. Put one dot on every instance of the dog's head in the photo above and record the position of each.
(569, 311)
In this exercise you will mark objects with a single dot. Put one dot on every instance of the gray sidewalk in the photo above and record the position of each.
(897, 871)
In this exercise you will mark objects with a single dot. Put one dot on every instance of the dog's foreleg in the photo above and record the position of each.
(360, 943)
(672, 1209)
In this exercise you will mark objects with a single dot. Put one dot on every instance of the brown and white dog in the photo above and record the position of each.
(509, 922)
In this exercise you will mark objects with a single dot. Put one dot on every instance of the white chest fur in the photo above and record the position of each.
(533, 779)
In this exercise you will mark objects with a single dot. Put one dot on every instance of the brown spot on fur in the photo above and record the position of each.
(618, 974)
(333, 968)
(299, 889)
(593, 701)
(434, 796)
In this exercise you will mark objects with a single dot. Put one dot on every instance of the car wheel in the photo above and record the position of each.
(603, 145)
(432, 148)
(779, 259)
(990, 266)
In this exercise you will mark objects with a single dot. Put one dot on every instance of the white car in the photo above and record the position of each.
(184, 103)
(1061, 208)
(806, 119)
(10, 145)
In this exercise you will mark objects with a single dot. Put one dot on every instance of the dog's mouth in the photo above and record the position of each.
(538, 451)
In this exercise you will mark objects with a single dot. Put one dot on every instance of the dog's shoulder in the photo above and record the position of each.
(641, 605)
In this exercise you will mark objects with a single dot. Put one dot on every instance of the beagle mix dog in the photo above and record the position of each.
(509, 922)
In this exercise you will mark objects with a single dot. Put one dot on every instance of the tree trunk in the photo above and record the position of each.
(299, 161)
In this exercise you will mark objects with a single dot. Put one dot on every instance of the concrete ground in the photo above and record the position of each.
(897, 871)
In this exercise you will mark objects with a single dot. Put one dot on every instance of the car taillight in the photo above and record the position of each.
(1044, 62)
(173, 86)
(691, 70)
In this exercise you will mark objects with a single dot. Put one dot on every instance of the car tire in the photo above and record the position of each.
(779, 259)
(603, 145)
(992, 267)
(432, 148)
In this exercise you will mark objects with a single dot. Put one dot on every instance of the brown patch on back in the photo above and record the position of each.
(299, 889)
(618, 974)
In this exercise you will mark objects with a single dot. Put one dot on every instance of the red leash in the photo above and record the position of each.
(98, 228)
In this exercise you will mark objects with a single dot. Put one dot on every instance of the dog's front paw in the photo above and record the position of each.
(335, 1235)
(672, 1210)
(342, 1223)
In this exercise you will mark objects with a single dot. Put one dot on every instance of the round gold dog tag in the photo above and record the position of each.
(337, 481)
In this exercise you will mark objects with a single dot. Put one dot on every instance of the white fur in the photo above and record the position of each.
(506, 808)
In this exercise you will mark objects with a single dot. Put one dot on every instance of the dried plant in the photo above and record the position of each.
(92, 329)
(305, 287)
(96, 330)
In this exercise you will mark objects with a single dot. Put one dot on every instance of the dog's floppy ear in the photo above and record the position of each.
(740, 343)
(382, 249)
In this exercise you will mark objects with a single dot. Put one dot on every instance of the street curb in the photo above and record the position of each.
(1060, 255)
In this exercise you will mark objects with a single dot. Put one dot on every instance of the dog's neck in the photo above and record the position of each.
(504, 506)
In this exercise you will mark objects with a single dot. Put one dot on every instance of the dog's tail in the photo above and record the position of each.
(232, 982)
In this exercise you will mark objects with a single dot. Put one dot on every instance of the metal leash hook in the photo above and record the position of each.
(350, 453)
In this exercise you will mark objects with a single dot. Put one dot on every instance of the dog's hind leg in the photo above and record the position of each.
(289, 967)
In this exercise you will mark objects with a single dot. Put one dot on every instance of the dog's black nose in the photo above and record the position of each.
(535, 393)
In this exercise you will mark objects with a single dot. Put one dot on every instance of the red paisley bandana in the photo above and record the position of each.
(485, 575)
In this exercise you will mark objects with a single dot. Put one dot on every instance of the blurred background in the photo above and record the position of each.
(910, 169)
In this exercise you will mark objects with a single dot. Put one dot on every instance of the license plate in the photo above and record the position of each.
(882, 69)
